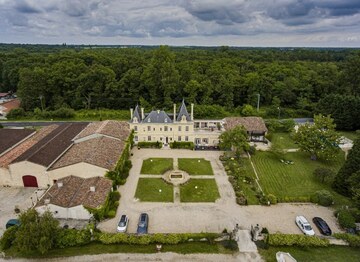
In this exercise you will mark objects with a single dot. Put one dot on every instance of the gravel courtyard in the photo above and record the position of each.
(206, 217)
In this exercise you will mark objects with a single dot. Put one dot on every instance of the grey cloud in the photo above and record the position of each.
(23, 6)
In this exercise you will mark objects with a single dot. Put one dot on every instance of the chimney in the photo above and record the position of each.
(59, 184)
(92, 189)
(131, 113)
(174, 113)
(142, 114)
(192, 112)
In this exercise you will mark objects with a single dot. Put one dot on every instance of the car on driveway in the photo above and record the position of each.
(322, 226)
(304, 225)
(123, 224)
(143, 223)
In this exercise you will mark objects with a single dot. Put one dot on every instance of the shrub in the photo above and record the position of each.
(296, 240)
(272, 199)
(72, 237)
(63, 112)
(111, 214)
(322, 197)
(264, 200)
(150, 144)
(115, 196)
(16, 113)
(323, 174)
(346, 219)
(182, 145)
(252, 150)
(8, 238)
(353, 240)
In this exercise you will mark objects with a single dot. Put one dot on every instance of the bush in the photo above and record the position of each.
(63, 112)
(150, 144)
(111, 214)
(323, 174)
(252, 150)
(353, 240)
(72, 237)
(323, 198)
(288, 199)
(272, 199)
(182, 145)
(16, 113)
(296, 240)
(346, 219)
(8, 238)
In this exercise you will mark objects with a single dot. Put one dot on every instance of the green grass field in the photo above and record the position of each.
(284, 140)
(295, 180)
(156, 166)
(328, 254)
(199, 190)
(148, 190)
(195, 166)
(349, 134)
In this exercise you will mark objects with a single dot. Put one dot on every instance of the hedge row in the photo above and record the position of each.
(150, 144)
(353, 240)
(72, 237)
(182, 145)
(171, 239)
(296, 240)
(287, 199)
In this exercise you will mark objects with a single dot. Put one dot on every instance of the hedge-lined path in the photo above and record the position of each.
(207, 217)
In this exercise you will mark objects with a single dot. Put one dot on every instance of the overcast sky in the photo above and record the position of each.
(318, 23)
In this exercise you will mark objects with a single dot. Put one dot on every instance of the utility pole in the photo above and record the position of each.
(258, 102)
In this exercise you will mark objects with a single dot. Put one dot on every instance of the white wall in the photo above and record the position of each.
(5, 178)
(77, 212)
(20, 169)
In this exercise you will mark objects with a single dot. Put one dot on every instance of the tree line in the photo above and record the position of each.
(118, 78)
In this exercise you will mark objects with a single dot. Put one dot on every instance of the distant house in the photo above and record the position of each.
(254, 126)
(69, 197)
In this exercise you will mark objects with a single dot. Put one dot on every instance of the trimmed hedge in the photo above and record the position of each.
(287, 199)
(170, 239)
(72, 237)
(353, 240)
(296, 240)
(150, 144)
(182, 145)
(346, 219)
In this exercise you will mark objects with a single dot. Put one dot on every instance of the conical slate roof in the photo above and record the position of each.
(183, 112)
(136, 114)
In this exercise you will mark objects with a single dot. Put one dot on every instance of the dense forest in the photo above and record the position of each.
(299, 82)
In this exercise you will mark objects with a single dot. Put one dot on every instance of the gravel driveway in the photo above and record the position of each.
(207, 217)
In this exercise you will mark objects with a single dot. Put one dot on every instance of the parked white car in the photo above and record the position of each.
(123, 224)
(304, 225)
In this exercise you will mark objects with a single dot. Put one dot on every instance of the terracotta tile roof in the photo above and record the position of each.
(15, 103)
(10, 137)
(116, 129)
(251, 123)
(53, 145)
(10, 156)
(102, 151)
(76, 191)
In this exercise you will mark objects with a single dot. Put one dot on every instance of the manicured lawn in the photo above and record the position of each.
(284, 140)
(328, 254)
(156, 166)
(295, 180)
(148, 190)
(98, 248)
(199, 190)
(349, 134)
(195, 166)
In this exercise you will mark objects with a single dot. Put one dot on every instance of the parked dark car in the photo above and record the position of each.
(143, 224)
(12, 222)
(322, 226)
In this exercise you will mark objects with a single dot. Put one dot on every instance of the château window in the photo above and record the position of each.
(149, 128)
(149, 138)
(165, 128)
(179, 128)
(135, 128)
(179, 138)
(136, 138)
(187, 128)
(186, 138)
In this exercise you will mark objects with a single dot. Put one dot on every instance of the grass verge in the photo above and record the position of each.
(328, 254)
(284, 140)
(98, 248)
(199, 190)
(195, 166)
(154, 190)
(156, 166)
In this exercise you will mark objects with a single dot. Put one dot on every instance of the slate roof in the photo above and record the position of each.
(10, 137)
(11, 155)
(251, 124)
(183, 112)
(137, 114)
(111, 128)
(76, 191)
(53, 145)
(157, 117)
(102, 151)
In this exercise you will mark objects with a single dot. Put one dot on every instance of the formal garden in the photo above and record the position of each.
(196, 189)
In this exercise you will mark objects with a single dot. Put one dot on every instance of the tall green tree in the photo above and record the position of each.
(37, 232)
(235, 139)
(342, 184)
(319, 139)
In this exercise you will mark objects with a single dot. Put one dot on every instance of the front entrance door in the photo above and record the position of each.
(167, 140)
(29, 181)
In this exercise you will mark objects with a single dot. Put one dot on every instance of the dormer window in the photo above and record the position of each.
(183, 118)
(135, 120)
(165, 120)
(149, 120)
